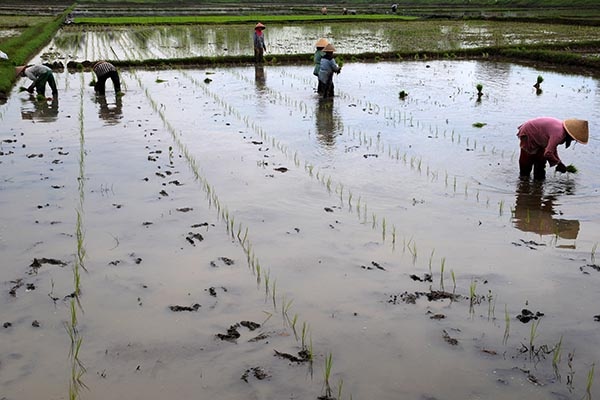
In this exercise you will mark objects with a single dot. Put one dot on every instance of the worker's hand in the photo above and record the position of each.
(30, 90)
(560, 167)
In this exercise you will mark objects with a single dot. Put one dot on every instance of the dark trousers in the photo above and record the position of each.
(40, 84)
(258, 55)
(101, 83)
(325, 89)
(536, 161)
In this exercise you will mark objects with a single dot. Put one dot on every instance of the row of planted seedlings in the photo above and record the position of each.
(281, 303)
(409, 245)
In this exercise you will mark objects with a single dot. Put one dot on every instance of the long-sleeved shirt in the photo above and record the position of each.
(543, 134)
(318, 55)
(259, 41)
(102, 68)
(327, 68)
(36, 71)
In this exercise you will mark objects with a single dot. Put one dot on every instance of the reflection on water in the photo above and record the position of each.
(328, 122)
(43, 111)
(259, 78)
(534, 210)
(110, 112)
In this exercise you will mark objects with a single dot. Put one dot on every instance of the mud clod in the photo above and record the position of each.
(527, 315)
(177, 308)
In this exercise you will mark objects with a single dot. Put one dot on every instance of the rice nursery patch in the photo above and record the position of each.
(240, 237)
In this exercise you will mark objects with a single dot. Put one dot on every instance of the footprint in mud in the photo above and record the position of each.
(233, 334)
(191, 237)
(373, 265)
(222, 260)
(258, 372)
(527, 315)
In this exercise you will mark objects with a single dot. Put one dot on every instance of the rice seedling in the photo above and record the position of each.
(491, 305)
(501, 208)
(571, 373)
(453, 283)
(339, 391)
(593, 253)
(274, 290)
(572, 169)
(590, 381)
(431, 259)
(374, 221)
(293, 323)
(556, 356)
(285, 308)
(506, 326)
(304, 335)
(442, 267)
(383, 228)
(393, 237)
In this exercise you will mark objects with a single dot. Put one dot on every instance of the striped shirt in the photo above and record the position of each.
(102, 68)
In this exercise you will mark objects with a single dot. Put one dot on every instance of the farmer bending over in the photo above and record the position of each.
(39, 74)
(103, 71)
(540, 138)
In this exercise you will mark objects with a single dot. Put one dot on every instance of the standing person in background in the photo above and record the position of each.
(539, 139)
(321, 43)
(259, 43)
(103, 71)
(326, 71)
(40, 75)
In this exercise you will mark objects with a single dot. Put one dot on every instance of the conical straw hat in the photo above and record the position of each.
(329, 48)
(19, 69)
(577, 129)
(259, 26)
(321, 42)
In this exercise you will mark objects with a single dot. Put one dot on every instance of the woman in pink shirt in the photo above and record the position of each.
(540, 138)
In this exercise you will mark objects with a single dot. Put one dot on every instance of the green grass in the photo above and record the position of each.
(236, 19)
(21, 48)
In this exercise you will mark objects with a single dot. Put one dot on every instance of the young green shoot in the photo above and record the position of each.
(442, 267)
(506, 326)
(556, 356)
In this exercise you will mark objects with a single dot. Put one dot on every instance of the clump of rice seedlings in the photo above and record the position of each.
(285, 308)
(506, 326)
(478, 125)
(556, 355)
(304, 335)
(340, 386)
(532, 335)
(472, 297)
(479, 88)
(274, 291)
(571, 169)
(538, 82)
(158, 80)
(393, 237)
(327, 375)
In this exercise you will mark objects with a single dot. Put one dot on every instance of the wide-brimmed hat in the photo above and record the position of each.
(259, 26)
(19, 69)
(329, 48)
(577, 129)
(321, 42)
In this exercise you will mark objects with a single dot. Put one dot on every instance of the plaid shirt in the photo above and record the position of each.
(102, 68)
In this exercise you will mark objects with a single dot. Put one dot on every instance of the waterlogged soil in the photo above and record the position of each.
(237, 232)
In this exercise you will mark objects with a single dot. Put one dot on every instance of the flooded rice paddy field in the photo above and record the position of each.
(222, 223)
(143, 42)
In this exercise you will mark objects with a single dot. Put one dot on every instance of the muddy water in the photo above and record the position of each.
(249, 196)
(125, 43)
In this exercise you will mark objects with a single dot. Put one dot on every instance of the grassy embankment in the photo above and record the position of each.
(21, 48)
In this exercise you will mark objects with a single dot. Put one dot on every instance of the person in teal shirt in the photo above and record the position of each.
(321, 43)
